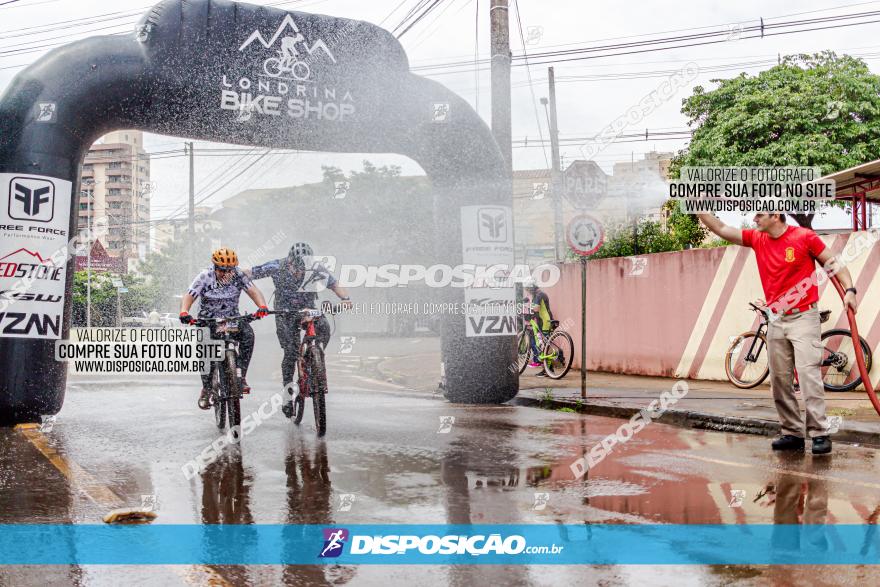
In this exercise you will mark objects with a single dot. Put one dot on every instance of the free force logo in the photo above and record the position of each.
(493, 228)
(31, 199)
(334, 540)
(32, 267)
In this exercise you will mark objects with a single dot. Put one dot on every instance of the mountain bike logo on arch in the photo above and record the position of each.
(294, 54)
(284, 85)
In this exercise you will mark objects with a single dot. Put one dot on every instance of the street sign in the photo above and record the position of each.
(585, 184)
(122, 290)
(116, 282)
(584, 234)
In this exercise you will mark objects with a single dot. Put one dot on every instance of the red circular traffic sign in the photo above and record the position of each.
(584, 234)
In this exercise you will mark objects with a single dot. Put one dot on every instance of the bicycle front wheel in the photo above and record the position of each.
(558, 354)
(745, 362)
(233, 393)
(216, 394)
(299, 405)
(840, 372)
(523, 349)
(319, 390)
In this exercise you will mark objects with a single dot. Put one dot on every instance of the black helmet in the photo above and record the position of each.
(298, 251)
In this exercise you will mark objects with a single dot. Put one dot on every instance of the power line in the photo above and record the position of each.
(417, 19)
(393, 10)
(659, 44)
(415, 8)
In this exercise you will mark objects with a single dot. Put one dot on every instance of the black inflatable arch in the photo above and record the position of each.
(315, 83)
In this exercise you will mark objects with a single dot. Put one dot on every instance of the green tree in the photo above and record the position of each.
(651, 237)
(141, 297)
(166, 275)
(810, 110)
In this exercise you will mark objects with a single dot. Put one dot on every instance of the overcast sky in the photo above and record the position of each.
(448, 34)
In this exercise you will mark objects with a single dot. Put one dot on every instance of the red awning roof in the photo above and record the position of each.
(864, 178)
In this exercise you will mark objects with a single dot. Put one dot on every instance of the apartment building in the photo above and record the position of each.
(115, 189)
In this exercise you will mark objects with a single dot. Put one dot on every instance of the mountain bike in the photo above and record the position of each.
(226, 389)
(556, 349)
(747, 365)
(312, 380)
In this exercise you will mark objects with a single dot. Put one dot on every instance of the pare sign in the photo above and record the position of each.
(585, 184)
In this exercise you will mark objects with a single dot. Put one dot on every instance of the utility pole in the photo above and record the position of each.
(192, 207)
(89, 257)
(500, 42)
(556, 174)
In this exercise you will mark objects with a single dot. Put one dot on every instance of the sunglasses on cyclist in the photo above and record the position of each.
(223, 269)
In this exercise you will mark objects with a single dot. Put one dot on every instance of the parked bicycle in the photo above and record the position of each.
(556, 349)
(312, 380)
(747, 365)
(226, 388)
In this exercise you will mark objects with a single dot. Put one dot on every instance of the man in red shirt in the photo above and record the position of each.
(786, 257)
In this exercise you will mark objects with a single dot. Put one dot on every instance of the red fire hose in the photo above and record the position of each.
(860, 356)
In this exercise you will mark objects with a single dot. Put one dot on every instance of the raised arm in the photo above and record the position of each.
(728, 233)
(833, 266)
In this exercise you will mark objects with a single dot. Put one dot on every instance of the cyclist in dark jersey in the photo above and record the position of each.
(218, 290)
(541, 313)
(297, 280)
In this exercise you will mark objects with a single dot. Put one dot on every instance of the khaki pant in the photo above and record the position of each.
(793, 341)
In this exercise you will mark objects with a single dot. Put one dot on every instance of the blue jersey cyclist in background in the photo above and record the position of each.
(218, 290)
(297, 278)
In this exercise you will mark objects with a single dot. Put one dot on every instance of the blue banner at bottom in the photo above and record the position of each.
(438, 544)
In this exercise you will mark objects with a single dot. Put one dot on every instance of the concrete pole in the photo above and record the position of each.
(500, 42)
(192, 209)
(89, 258)
(556, 174)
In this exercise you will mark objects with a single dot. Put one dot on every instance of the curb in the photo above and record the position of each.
(852, 434)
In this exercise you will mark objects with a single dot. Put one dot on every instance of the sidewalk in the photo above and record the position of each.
(708, 405)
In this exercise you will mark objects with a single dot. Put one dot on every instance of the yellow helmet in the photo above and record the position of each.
(224, 257)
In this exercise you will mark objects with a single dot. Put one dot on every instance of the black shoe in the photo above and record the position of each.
(287, 409)
(205, 399)
(789, 442)
(821, 445)
(245, 388)
(541, 374)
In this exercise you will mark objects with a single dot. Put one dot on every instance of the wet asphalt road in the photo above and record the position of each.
(116, 440)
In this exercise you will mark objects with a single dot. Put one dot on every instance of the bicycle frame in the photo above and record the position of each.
(309, 339)
(308, 342)
(539, 336)
(752, 354)
(226, 327)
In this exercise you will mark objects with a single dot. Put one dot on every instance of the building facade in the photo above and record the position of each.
(637, 190)
(115, 193)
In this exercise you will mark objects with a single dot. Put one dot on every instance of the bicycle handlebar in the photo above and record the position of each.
(207, 321)
(756, 308)
(326, 308)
